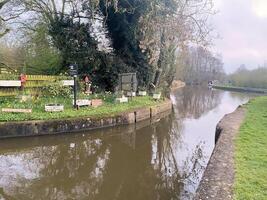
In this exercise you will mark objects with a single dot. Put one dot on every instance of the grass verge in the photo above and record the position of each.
(251, 153)
(107, 110)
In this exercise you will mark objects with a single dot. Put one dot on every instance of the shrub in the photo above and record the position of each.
(56, 90)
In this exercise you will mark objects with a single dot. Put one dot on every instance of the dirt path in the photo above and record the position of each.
(218, 179)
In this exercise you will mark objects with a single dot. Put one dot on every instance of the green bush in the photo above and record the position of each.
(53, 90)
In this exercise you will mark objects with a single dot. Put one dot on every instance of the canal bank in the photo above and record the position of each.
(240, 89)
(61, 126)
(237, 167)
(218, 179)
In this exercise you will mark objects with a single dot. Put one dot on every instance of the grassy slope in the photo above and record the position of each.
(251, 153)
(108, 109)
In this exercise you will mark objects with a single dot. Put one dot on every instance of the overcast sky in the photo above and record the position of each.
(242, 25)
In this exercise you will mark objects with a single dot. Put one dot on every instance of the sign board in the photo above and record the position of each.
(68, 82)
(73, 70)
(10, 83)
(128, 82)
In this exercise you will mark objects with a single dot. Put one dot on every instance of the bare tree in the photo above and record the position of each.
(168, 28)
(3, 30)
(197, 65)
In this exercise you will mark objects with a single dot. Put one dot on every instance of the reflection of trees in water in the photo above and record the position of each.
(192, 102)
(192, 171)
(164, 160)
(63, 171)
(181, 180)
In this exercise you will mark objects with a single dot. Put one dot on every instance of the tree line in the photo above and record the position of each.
(198, 65)
(256, 78)
(107, 37)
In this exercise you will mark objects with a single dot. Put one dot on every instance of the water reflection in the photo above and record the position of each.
(193, 102)
(164, 160)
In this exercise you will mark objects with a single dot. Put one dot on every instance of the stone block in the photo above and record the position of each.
(142, 114)
(97, 102)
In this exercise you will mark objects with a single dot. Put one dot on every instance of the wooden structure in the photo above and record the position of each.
(13, 110)
(128, 82)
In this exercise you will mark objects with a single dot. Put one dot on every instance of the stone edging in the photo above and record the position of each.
(218, 179)
(59, 126)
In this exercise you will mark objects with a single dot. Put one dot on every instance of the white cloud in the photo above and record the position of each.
(260, 7)
(243, 31)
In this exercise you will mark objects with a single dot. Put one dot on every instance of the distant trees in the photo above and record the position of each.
(198, 65)
(11, 57)
(256, 78)
(41, 57)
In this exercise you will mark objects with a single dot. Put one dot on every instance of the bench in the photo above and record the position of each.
(82, 102)
(122, 100)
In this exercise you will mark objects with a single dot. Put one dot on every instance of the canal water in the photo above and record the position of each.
(163, 160)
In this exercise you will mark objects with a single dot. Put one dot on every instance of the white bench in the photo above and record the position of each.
(131, 94)
(156, 96)
(7, 83)
(54, 108)
(82, 102)
(122, 100)
(142, 93)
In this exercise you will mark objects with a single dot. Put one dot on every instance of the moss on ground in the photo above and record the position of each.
(251, 153)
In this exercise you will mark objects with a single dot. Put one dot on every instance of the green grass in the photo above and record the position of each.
(108, 109)
(251, 153)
